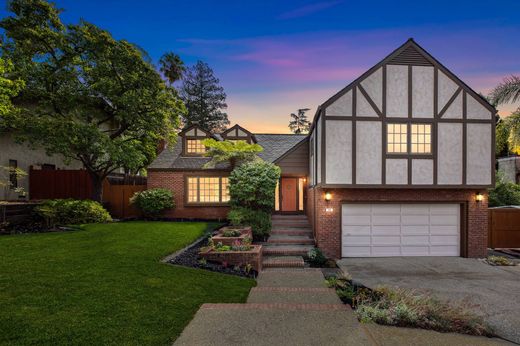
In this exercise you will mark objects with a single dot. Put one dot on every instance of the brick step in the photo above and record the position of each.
(290, 239)
(289, 217)
(286, 250)
(283, 262)
(291, 222)
(275, 306)
(292, 228)
(292, 231)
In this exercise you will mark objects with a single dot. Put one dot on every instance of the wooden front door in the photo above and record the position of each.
(289, 194)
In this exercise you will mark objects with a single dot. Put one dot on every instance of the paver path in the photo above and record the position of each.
(294, 307)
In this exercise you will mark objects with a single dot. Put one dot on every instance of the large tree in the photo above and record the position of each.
(88, 96)
(299, 123)
(172, 67)
(204, 98)
(508, 92)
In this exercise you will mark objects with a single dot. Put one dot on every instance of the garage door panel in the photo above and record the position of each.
(385, 230)
(416, 240)
(415, 219)
(386, 251)
(381, 240)
(386, 220)
(415, 230)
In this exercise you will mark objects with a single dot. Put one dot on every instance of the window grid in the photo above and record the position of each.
(421, 139)
(208, 190)
(195, 146)
(397, 138)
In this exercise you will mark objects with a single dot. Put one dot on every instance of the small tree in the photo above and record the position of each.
(504, 193)
(229, 151)
(299, 123)
(7, 174)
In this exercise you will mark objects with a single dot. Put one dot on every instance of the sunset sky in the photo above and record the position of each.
(273, 57)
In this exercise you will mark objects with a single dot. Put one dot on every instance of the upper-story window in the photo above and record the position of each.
(398, 135)
(195, 146)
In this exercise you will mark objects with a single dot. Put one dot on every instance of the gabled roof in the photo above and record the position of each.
(199, 128)
(274, 145)
(409, 53)
(226, 133)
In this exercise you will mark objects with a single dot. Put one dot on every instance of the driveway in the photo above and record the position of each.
(493, 292)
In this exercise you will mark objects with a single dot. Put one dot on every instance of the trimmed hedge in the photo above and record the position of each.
(153, 202)
(72, 212)
(260, 221)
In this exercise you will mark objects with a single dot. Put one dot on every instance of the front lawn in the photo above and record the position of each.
(105, 285)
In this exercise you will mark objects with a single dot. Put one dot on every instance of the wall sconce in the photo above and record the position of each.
(328, 196)
(479, 197)
(329, 210)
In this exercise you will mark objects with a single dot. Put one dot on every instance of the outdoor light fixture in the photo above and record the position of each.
(328, 196)
(479, 197)
(329, 210)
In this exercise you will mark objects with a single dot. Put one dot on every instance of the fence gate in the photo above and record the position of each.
(504, 228)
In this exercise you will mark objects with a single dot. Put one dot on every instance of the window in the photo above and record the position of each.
(208, 190)
(421, 139)
(397, 138)
(13, 176)
(195, 146)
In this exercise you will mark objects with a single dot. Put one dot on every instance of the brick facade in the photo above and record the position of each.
(327, 228)
(174, 181)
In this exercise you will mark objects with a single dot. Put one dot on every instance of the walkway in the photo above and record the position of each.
(294, 307)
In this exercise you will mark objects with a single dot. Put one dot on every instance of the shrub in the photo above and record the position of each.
(231, 233)
(72, 212)
(153, 202)
(500, 261)
(252, 185)
(504, 193)
(260, 221)
(316, 257)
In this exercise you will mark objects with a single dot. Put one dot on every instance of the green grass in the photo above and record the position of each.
(105, 285)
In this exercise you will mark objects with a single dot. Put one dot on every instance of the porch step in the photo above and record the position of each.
(279, 217)
(286, 250)
(292, 231)
(290, 239)
(283, 262)
(292, 223)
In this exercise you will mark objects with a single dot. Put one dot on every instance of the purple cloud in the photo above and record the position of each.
(308, 9)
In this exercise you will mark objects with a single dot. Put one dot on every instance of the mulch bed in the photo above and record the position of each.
(190, 258)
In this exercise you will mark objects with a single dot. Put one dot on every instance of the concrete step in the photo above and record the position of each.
(291, 277)
(292, 223)
(293, 295)
(290, 239)
(289, 217)
(286, 250)
(283, 262)
(291, 228)
(292, 231)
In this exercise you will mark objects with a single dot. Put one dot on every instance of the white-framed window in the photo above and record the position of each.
(418, 135)
(195, 146)
(207, 189)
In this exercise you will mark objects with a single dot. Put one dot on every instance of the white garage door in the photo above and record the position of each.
(385, 230)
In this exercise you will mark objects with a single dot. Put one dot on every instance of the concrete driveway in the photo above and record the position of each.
(493, 292)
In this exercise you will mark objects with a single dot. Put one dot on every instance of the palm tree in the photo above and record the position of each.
(172, 67)
(507, 91)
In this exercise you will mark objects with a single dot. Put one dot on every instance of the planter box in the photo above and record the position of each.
(245, 232)
(240, 258)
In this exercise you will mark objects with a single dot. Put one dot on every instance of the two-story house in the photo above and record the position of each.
(396, 164)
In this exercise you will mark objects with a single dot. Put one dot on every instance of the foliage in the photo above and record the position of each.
(172, 67)
(204, 98)
(5, 179)
(507, 91)
(500, 261)
(97, 277)
(88, 96)
(72, 212)
(244, 245)
(228, 151)
(513, 140)
(8, 89)
(502, 131)
(316, 257)
(504, 193)
(260, 221)
(153, 202)
(299, 123)
(230, 233)
(407, 308)
(252, 185)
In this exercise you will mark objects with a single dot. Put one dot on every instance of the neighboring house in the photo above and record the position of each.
(510, 168)
(396, 164)
(21, 156)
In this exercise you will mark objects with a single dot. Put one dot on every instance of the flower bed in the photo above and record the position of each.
(230, 257)
(231, 234)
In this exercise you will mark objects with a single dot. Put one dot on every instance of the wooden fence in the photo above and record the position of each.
(117, 189)
(504, 228)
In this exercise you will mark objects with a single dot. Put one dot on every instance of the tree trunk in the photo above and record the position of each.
(97, 187)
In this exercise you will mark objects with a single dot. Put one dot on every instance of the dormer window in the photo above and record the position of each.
(238, 133)
(195, 146)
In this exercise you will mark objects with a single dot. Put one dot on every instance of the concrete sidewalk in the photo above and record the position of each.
(294, 307)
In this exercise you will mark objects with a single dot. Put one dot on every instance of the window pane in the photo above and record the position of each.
(195, 146)
(192, 190)
(209, 189)
(421, 138)
(301, 187)
(397, 138)
(225, 189)
(277, 196)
